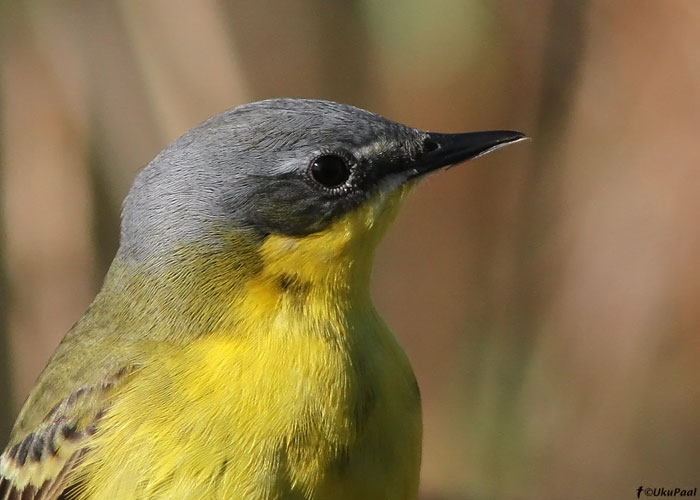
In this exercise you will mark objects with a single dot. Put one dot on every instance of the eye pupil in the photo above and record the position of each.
(330, 170)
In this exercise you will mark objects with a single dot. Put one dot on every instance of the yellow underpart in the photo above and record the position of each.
(303, 393)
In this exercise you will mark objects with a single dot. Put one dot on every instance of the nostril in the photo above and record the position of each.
(430, 145)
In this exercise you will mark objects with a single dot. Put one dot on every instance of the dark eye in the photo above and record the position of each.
(330, 170)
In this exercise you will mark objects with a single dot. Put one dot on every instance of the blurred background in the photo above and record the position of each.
(548, 295)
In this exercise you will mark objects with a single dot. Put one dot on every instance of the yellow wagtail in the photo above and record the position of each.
(233, 351)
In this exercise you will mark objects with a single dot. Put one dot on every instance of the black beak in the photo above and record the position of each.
(441, 150)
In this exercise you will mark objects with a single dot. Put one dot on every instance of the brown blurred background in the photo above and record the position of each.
(548, 295)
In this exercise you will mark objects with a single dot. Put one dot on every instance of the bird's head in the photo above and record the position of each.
(310, 178)
(276, 196)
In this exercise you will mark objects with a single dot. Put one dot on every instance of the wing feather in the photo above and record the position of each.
(38, 465)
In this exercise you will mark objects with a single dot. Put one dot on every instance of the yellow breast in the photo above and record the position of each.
(302, 392)
(290, 415)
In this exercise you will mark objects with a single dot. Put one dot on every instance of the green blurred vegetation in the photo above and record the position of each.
(547, 294)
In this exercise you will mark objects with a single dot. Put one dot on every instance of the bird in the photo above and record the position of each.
(234, 350)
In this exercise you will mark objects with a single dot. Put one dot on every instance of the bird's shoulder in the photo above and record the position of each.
(59, 419)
